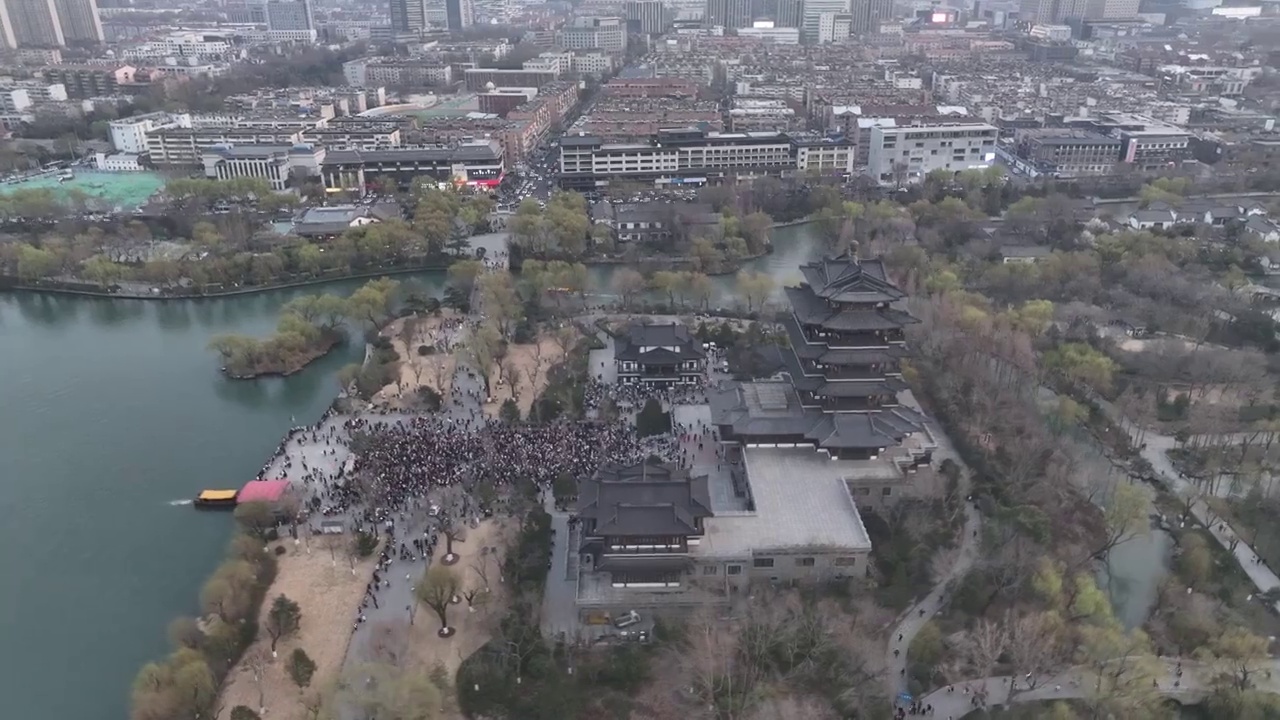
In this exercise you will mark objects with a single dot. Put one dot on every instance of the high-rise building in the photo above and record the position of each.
(408, 16)
(1111, 10)
(6, 28)
(458, 14)
(289, 15)
(31, 23)
(649, 16)
(594, 33)
(290, 20)
(790, 13)
(245, 12)
(813, 11)
(729, 14)
(833, 27)
(866, 15)
(79, 20)
(1052, 11)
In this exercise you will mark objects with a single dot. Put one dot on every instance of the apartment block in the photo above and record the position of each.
(673, 157)
(129, 135)
(594, 33)
(86, 81)
(184, 147)
(1068, 153)
(905, 154)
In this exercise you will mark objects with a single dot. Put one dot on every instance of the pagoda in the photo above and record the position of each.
(843, 368)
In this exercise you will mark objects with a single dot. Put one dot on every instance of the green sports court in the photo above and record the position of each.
(127, 190)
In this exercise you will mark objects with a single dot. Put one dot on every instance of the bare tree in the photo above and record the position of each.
(984, 645)
(256, 662)
(481, 568)
(564, 338)
(1035, 647)
(450, 521)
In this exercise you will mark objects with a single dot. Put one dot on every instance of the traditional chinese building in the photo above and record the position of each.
(659, 354)
(843, 370)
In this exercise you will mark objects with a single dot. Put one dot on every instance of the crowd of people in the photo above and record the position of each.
(635, 395)
(402, 462)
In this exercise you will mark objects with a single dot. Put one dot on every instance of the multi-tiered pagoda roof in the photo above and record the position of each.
(843, 373)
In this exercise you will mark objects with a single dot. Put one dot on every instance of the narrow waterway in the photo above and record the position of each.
(793, 245)
(1135, 568)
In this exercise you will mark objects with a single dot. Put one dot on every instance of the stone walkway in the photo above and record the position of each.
(1072, 683)
(956, 701)
(1154, 448)
(915, 617)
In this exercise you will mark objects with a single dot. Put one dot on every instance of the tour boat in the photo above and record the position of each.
(216, 499)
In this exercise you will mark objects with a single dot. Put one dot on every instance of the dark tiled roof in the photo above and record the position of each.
(811, 309)
(627, 345)
(877, 429)
(846, 279)
(644, 499)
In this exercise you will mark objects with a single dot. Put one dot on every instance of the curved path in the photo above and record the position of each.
(914, 617)
(956, 701)
(1154, 448)
(1071, 683)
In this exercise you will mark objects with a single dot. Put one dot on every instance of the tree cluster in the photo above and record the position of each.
(561, 229)
(684, 289)
(785, 644)
(308, 327)
(445, 219)
(226, 249)
(185, 684)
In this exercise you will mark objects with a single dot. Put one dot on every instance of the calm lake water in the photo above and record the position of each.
(111, 412)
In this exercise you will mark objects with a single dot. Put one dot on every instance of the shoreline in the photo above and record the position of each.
(256, 289)
(18, 288)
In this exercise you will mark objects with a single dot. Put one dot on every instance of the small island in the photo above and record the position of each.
(310, 327)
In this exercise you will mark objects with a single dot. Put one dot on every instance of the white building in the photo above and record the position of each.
(378, 72)
(180, 44)
(833, 27)
(185, 148)
(826, 156)
(763, 152)
(1052, 33)
(129, 135)
(17, 97)
(277, 164)
(650, 15)
(117, 162)
(556, 62)
(766, 30)
(594, 33)
(813, 11)
(592, 63)
(907, 153)
(14, 100)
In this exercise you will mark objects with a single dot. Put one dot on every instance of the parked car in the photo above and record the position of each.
(627, 619)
